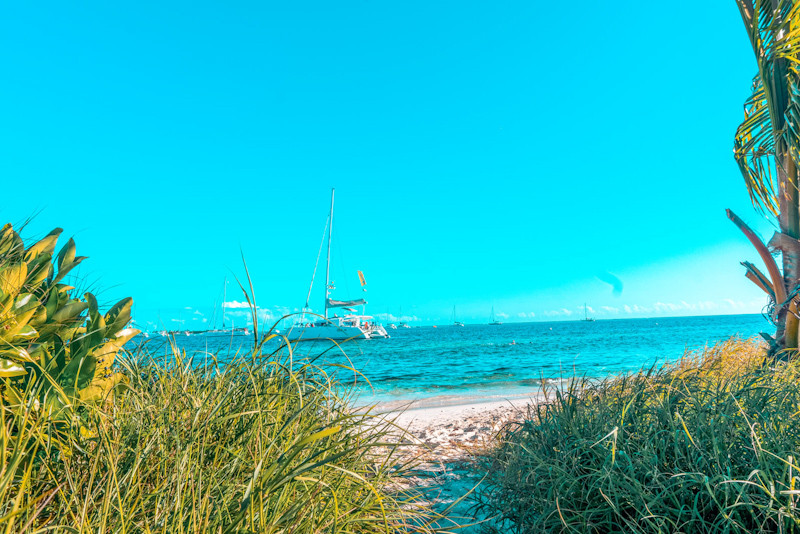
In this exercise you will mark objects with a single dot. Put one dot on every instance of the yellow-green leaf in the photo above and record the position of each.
(12, 277)
(10, 368)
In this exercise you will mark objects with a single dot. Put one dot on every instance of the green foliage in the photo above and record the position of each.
(192, 445)
(53, 346)
(708, 445)
(770, 132)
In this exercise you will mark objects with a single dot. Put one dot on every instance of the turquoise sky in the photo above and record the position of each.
(483, 153)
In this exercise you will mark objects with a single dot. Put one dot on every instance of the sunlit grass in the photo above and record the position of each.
(257, 444)
(709, 444)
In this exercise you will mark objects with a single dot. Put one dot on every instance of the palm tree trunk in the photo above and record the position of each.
(790, 226)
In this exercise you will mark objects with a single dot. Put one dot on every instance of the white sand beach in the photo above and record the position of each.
(446, 436)
(450, 432)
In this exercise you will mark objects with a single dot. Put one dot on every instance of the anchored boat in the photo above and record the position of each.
(351, 325)
(456, 322)
(492, 319)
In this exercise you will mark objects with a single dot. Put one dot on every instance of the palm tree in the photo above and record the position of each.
(767, 150)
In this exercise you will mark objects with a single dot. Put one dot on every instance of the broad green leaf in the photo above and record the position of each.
(17, 354)
(52, 303)
(65, 269)
(123, 336)
(10, 368)
(96, 327)
(22, 301)
(118, 316)
(18, 326)
(63, 288)
(40, 273)
(67, 254)
(91, 301)
(69, 311)
(12, 277)
(78, 373)
(46, 245)
(25, 332)
(10, 242)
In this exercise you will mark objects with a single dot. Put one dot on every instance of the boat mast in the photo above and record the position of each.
(224, 297)
(328, 260)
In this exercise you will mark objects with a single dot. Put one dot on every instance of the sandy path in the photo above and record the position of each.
(447, 439)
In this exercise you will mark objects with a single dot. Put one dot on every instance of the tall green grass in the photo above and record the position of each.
(191, 445)
(710, 444)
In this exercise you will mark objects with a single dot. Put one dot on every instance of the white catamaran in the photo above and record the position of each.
(337, 328)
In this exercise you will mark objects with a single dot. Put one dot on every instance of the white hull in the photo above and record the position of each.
(335, 333)
(348, 328)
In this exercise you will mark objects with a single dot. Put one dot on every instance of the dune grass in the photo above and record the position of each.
(190, 445)
(710, 444)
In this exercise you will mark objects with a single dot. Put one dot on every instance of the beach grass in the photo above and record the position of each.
(708, 444)
(260, 443)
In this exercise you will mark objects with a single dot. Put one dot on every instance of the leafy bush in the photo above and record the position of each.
(54, 349)
(707, 445)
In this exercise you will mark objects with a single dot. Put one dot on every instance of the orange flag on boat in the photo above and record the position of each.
(362, 279)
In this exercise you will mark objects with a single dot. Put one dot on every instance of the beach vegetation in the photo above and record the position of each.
(194, 444)
(158, 440)
(767, 151)
(55, 348)
(707, 444)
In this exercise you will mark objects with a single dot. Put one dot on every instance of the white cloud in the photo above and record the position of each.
(235, 304)
(662, 307)
(707, 305)
(610, 309)
(735, 304)
(558, 313)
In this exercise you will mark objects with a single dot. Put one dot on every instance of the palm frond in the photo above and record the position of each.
(754, 149)
(772, 113)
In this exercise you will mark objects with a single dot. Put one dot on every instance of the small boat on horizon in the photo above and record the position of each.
(492, 320)
(586, 314)
(456, 322)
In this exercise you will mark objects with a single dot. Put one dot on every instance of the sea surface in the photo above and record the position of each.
(452, 364)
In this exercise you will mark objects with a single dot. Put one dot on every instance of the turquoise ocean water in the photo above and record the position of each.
(450, 364)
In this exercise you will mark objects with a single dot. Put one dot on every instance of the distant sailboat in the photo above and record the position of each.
(492, 319)
(586, 314)
(223, 331)
(402, 323)
(456, 322)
